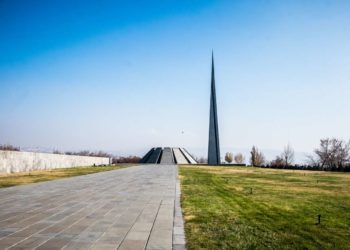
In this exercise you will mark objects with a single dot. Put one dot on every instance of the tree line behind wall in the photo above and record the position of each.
(115, 159)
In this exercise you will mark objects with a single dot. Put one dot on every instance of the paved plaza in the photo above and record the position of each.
(131, 208)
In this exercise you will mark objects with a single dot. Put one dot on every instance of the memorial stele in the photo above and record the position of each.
(213, 144)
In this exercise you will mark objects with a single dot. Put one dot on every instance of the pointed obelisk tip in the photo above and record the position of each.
(212, 58)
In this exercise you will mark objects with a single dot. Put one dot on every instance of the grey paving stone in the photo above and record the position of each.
(88, 236)
(133, 245)
(54, 243)
(131, 208)
(103, 246)
(9, 241)
(132, 235)
(178, 231)
(117, 231)
(179, 239)
(76, 245)
(142, 226)
(4, 233)
(109, 240)
(160, 239)
(30, 243)
(179, 247)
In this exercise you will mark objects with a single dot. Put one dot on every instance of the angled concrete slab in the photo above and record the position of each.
(179, 157)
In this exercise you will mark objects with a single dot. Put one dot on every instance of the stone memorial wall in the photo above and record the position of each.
(18, 161)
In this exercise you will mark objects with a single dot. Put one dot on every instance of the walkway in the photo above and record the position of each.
(131, 208)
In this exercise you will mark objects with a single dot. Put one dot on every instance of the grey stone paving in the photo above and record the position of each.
(132, 208)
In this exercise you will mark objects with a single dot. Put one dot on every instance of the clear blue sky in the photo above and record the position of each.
(123, 76)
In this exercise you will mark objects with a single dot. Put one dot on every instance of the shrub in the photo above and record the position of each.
(8, 147)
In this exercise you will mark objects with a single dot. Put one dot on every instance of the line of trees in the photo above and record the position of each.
(332, 155)
(285, 159)
(238, 158)
(128, 159)
(85, 153)
(115, 159)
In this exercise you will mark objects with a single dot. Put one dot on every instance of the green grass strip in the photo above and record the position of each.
(254, 208)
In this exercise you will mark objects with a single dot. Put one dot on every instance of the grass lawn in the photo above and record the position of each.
(8, 180)
(254, 208)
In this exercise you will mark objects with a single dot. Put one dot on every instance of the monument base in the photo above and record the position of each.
(168, 155)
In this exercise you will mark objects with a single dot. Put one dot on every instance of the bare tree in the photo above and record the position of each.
(127, 159)
(311, 160)
(89, 153)
(333, 153)
(256, 158)
(278, 162)
(202, 160)
(288, 155)
(239, 158)
(229, 157)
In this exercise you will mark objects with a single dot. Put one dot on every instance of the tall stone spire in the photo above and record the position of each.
(214, 145)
